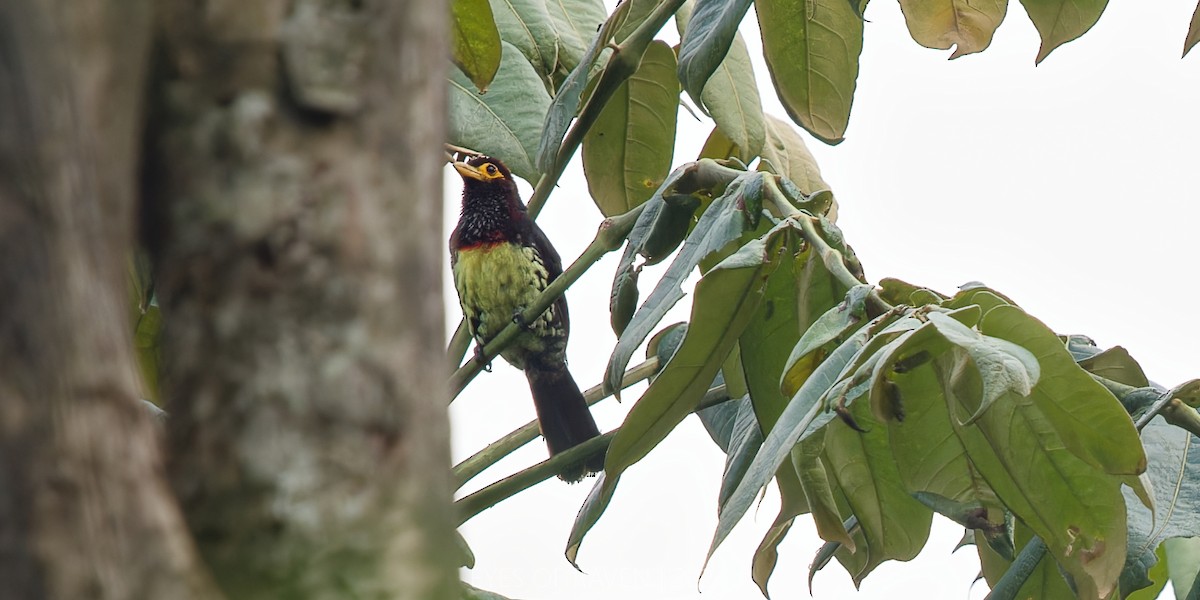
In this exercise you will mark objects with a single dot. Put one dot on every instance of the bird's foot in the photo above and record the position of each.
(481, 358)
(519, 319)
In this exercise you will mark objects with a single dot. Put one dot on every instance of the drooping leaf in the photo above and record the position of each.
(623, 299)
(792, 504)
(1193, 34)
(506, 122)
(825, 329)
(893, 523)
(966, 25)
(928, 453)
(526, 24)
(1085, 416)
(566, 104)
(725, 299)
(1074, 507)
(819, 489)
(1060, 21)
(812, 49)
(741, 438)
(708, 33)
(476, 41)
(730, 95)
(797, 419)
(589, 514)
(576, 22)
(718, 226)
(627, 153)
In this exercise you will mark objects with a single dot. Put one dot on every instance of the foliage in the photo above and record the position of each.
(871, 407)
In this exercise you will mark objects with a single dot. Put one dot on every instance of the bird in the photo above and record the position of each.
(502, 261)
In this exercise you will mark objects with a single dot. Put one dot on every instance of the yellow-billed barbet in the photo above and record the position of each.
(502, 261)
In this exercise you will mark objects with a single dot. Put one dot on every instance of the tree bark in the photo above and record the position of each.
(294, 216)
(84, 508)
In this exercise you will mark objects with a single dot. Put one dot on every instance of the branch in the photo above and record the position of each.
(493, 452)
(609, 237)
(1020, 570)
(622, 64)
(493, 494)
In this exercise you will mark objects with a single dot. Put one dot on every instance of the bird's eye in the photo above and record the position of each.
(491, 169)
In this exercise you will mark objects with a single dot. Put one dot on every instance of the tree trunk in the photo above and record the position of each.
(294, 213)
(84, 508)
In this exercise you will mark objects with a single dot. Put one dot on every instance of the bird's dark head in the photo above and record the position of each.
(491, 205)
(486, 179)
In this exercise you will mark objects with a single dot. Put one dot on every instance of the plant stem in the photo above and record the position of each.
(493, 452)
(1020, 570)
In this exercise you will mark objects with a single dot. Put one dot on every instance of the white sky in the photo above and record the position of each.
(1071, 187)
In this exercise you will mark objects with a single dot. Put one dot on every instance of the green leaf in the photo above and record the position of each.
(718, 226)
(966, 25)
(894, 524)
(627, 153)
(476, 41)
(633, 14)
(708, 33)
(1116, 364)
(1174, 471)
(792, 504)
(1158, 576)
(1085, 416)
(526, 24)
(725, 299)
(1183, 560)
(796, 420)
(566, 103)
(1193, 34)
(622, 301)
(1075, 508)
(928, 453)
(787, 153)
(730, 94)
(812, 49)
(505, 123)
(734, 428)
(718, 146)
(825, 329)
(576, 22)
(819, 489)
(1060, 21)
(1003, 367)
(589, 514)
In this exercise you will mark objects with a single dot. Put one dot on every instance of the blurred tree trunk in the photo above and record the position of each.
(84, 510)
(294, 213)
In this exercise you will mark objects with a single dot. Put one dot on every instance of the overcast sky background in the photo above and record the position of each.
(1071, 187)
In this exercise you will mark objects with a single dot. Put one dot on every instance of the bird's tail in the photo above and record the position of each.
(564, 417)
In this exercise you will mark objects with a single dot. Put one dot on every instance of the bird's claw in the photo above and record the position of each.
(481, 358)
(519, 319)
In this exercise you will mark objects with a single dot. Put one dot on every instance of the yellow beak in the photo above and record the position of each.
(468, 171)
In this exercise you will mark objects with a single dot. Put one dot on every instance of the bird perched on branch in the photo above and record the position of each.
(502, 261)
